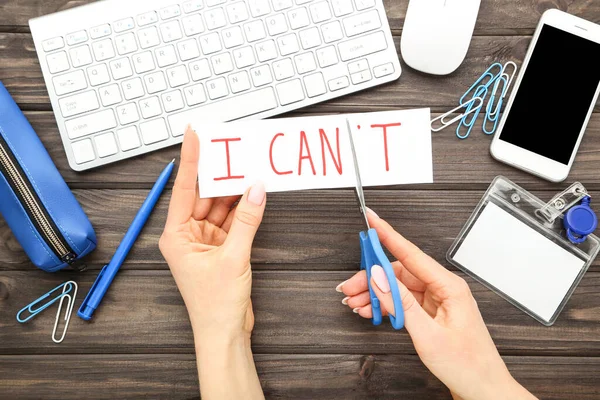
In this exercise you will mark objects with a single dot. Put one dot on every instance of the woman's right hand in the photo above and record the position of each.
(442, 318)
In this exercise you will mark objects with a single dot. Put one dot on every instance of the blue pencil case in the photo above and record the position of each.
(36, 203)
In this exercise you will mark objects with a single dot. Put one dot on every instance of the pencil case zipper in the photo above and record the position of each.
(39, 216)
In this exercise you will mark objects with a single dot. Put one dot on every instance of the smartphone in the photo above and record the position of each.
(553, 98)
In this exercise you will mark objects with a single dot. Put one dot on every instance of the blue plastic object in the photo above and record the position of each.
(35, 311)
(372, 254)
(580, 221)
(480, 92)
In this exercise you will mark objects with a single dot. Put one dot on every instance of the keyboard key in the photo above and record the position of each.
(110, 95)
(126, 43)
(332, 31)
(100, 31)
(192, 25)
(57, 62)
(148, 37)
(222, 63)
(310, 38)
(212, 3)
(305, 63)
(360, 77)
(192, 5)
(244, 57)
(298, 18)
(258, 8)
(358, 66)
(254, 31)
(172, 101)
(279, 5)
(121, 68)
(383, 70)
(288, 44)
(232, 37)
(237, 12)
(78, 104)
(123, 25)
(170, 12)
(155, 82)
(143, 62)
(266, 50)
(342, 7)
(290, 92)
(229, 109)
(98, 74)
(177, 76)
(215, 18)
(103, 50)
(283, 69)
(261, 75)
(69, 82)
(147, 18)
(76, 38)
(194, 94)
(200, 70)
(150, 107)
(364, 4)
(80, 56)
(188, 49)
(300, 2)
(210, 43)
(217, 88)
(165, 56)
(83, 151)
(315, 84)
(239, 82)
(361, 23)
(338, 83)
(327, 56)
(154, 131)
(320, 12)
(106, 145)
(276, 24)
(132, 88)
(128, 114)
(128, 138)
(53, 44)
(170, 31)
(91, 123)
(362, 45)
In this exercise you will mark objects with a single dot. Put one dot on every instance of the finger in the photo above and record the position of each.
(355, 285)
(406, 277)
(417, 321)
(246, 220)
(227, 223)
(220, 209)
(360, 300)
(367, 311)
(410, 256)
(184, 194)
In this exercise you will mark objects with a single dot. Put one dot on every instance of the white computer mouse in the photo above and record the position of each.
(437, 33)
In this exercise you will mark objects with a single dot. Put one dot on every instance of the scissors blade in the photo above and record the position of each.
(359, 189)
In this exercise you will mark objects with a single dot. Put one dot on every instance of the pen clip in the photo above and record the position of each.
(90, 292)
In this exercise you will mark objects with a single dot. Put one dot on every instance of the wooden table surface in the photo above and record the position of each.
(306, 343)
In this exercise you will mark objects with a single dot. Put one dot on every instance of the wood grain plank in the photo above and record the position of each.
(310, 229)
(500, 17)
(283, 376)
(296, 312)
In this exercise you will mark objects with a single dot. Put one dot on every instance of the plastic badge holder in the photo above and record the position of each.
(517, 246)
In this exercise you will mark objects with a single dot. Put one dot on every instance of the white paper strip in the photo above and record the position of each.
(393, 147)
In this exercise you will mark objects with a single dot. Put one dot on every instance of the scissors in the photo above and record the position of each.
(371, 253)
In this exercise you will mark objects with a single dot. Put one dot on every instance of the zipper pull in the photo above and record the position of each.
(69, 258)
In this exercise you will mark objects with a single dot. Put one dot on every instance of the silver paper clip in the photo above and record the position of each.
(70, 303)
(35, 311)
(470, 109)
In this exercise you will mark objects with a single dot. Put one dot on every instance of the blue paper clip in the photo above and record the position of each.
(478, 83)
(508, 81)
(493, 116)
(35, 311)
(481, 92)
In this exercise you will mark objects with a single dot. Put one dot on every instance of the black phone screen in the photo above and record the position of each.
(555, 95)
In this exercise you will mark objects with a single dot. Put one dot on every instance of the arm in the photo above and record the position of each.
(207, 244)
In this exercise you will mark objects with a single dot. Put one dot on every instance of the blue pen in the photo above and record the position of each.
(108, 272)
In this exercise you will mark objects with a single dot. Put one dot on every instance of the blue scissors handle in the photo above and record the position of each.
(372, 254)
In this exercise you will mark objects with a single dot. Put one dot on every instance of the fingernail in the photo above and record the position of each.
(380, 278)
(373, 213)
(257, 193)
(345, 300)
(338, 288)
(355, 311)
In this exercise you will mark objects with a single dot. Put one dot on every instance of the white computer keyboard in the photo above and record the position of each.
(126, 77)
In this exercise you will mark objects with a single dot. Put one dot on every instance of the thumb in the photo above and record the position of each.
(246, 220)
(416, 320)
